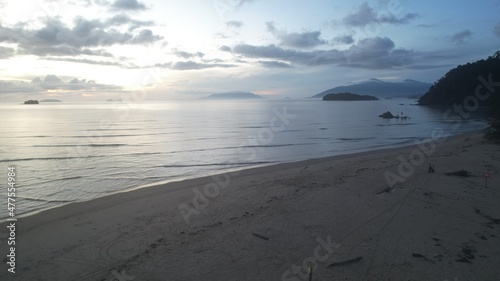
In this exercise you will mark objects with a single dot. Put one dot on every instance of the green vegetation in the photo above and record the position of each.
(477, 82)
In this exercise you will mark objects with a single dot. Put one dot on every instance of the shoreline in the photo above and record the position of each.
(240, 169)
(265, 220)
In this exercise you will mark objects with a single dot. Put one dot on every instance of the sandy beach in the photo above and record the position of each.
(365, 216)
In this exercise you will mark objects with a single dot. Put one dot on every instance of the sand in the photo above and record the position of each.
(336, 214)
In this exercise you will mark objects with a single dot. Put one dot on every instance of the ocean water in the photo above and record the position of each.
(67, 152)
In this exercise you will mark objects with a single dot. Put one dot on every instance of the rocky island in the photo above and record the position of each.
(389, 115)
(348, 97)
(31, 102)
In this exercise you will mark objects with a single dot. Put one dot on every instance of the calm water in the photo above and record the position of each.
(69, 152)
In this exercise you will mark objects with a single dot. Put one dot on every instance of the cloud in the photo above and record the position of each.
(292, 56)
(377, 53)
(187, 55)
(426, 25)
(234, 24)
(225, 48)
(366, 15)
(6, 52)
(120, 20)
(128, 5)
(85, 37)
(53, 83)
(94, 62)
(461, 37)
(369, 53)
(145, 36)
(302, 40)
(192, 65)
(496, 29)
(274, 64)
(345, 39)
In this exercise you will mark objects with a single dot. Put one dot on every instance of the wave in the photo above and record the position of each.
(86, 145)
(46, 200)
(399, 124)
(63, 179)
(47, 158)
(215, 164)
(355, 139)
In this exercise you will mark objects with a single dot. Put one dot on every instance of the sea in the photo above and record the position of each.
(68, 152)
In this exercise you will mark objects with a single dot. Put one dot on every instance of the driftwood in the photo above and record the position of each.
(387, 190)
(346, 262)
(260, 236)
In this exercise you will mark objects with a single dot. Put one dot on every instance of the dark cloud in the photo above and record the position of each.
(496, 29)
(303, 40)
(377, 53)
(83, 38)
(12, 87)
(292, 56)
(50, 79)
(461, 37)
(6, 52)
(193, 65)
(145, 36)
(95, 62)
(187, 55)
(426, 25)
(369, 53)
(234, 24)
(271, 27)
(225, 48)
(345, 39)
(128, 5)
(274, 64)
(120, 20)
(53, 82)
(366, 15)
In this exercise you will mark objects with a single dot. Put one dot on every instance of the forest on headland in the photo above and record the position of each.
(469, 86)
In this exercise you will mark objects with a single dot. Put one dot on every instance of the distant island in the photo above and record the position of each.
(234, 96)
(114, 100)
(348, 97)
(382, 89)
(50, 100)
(31, 102)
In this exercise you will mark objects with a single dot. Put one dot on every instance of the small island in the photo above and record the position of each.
(31, 102)
(389, 115)
(348, 97)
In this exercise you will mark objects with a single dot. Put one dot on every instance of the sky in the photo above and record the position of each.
(87, 50)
